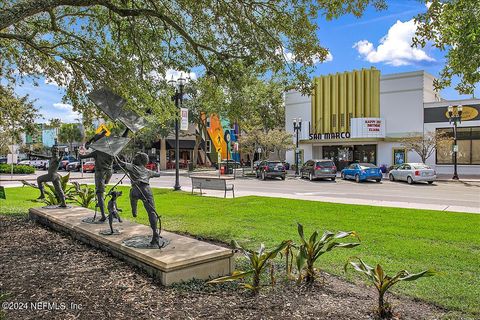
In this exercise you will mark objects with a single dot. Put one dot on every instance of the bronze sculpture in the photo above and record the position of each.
(140, 190)
(113, 210)
(103, 174)
(52, 176)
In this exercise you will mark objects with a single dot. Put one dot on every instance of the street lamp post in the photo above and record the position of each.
(297, 127)
(178, 98)
(455, 116)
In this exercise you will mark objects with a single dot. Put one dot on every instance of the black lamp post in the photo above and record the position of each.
(178, 98)
(455, 116)
(297, 127)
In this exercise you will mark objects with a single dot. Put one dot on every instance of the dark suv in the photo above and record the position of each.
(315, 169)
(270, 169)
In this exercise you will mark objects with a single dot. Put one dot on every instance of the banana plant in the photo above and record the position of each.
(383, 282)
(82, 194)
(312, 249)
(258, 262)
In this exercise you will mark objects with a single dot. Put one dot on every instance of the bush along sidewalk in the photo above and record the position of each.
(306, 255)
(17, 169)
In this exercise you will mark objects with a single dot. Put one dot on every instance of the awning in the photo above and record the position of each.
(184, 144)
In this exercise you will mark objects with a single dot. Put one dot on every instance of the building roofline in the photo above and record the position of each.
(451, 102)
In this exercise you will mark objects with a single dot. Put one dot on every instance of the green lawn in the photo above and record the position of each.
(397, 238)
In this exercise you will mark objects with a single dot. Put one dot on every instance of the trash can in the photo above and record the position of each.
(190, 166)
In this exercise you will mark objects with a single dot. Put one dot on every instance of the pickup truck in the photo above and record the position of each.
(39, 163)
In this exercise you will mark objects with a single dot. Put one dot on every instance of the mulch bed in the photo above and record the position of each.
(40, 265)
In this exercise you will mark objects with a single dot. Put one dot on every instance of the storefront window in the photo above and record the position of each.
(468, 141)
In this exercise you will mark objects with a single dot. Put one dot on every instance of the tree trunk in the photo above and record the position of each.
(198, 139)
(252, 158)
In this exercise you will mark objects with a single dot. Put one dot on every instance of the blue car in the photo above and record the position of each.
(362, 171)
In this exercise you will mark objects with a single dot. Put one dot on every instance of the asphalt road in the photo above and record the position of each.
(449, 196)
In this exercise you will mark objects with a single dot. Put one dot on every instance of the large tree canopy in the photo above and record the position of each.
(453, 26)
(129, 45)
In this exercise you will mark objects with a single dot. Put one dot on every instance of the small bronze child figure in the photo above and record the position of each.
(113, 210)
(140, 180)
(52, 176)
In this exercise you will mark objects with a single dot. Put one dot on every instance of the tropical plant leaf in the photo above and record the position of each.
(300, 233)
(234, 276)
(415, 276)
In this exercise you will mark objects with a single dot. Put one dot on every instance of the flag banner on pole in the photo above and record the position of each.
(184, 119)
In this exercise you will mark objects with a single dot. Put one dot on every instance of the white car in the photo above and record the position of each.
(413, 172)
(25, 162)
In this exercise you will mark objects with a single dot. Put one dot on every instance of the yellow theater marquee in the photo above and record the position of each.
(338, 98)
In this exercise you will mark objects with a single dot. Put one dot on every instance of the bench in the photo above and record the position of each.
(212, 183)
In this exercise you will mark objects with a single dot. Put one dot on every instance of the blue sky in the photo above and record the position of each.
(379, 38)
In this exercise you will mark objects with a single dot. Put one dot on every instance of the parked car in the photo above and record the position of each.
(270, 169)
(362, 172)
(413, 172)
(73, 166)
(65, 161)
(315, 169)
(151, 166)
(39, 163)
(231, 163)
(89, 166)
(24, 162)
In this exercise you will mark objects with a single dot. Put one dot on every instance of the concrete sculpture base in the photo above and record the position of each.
(182, 259)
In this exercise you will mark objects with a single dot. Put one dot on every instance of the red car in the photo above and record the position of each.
(151, 166)
(89, 166)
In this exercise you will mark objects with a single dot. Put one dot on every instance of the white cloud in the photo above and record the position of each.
(395, 47)
(328, 58)
(290, 57)
(64, 112)
(62, 106)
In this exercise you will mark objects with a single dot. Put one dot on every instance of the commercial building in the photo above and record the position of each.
(362, 116)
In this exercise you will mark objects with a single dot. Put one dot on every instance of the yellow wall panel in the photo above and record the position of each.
(356, 93)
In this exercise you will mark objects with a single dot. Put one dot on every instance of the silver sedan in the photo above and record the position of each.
(413, 172)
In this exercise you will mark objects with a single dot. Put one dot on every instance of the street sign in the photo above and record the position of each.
(12, 158)
(184, 119)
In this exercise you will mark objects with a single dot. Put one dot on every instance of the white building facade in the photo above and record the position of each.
(399, 106)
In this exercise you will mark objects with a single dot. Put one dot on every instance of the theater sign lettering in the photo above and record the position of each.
(367, 128)
(359, 128)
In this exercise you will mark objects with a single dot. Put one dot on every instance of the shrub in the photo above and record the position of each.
(383, 282)
(309, 251)
(81, 194)
(258, 261)
(17, 169)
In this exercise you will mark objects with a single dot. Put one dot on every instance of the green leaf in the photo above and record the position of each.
(300, 233)
(415, 276)
(234, 276)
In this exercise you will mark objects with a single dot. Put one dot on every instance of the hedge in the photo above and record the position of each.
(17, 168)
